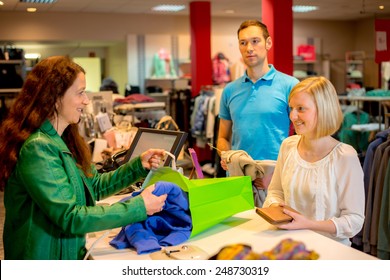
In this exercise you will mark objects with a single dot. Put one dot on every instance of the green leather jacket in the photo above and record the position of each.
(50, 203)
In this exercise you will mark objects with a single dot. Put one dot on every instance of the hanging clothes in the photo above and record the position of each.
(375, 234)
(357, 139)
(203, 117)
(163, 65)
(221, 72)
(383, 247)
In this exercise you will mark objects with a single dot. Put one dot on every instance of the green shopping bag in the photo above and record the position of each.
(211, 200)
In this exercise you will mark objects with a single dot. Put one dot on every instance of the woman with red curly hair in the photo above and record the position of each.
(50, 185)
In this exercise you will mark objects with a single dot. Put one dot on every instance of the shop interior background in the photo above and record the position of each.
(112, 31)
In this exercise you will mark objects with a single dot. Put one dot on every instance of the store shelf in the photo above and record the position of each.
(354, 69)
(304, 68)
(14, 61)
(12, 75)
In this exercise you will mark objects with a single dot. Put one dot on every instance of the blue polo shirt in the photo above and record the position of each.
(259, 112)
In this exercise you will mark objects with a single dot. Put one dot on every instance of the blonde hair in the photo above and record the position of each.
(329, 114)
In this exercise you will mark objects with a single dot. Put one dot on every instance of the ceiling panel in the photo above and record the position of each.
(328, 9)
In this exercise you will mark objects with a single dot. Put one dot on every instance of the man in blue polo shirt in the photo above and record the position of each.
(254, 112)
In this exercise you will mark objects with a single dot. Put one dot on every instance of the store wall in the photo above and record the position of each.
(116, 65)
(337, 37)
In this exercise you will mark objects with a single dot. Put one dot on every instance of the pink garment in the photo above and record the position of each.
(134, 98)
(220, 70)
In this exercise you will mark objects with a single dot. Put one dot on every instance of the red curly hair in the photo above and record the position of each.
(45, 84)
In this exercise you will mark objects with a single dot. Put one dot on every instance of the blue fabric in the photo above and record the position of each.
(259, 112)
(169, 227)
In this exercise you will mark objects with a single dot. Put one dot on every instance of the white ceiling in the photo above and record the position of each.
(328, 9)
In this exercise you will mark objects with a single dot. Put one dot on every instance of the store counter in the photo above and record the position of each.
(245, 228)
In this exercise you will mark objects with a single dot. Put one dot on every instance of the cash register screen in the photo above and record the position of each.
(147, 138)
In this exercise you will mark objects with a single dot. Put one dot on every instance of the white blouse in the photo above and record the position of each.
(331, 188)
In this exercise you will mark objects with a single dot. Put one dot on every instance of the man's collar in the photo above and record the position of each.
(268, 76)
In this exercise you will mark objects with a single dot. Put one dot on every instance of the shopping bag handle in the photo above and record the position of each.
(173, 161)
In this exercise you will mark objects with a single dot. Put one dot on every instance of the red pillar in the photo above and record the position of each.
(278, 16)
(200, 24)
(201, 66)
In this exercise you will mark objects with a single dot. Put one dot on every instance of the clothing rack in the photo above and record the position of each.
(375, 235)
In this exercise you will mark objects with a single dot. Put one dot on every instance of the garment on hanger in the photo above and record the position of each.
(380, 138)
(221, 72)
(163, 65)
(383, 247)
(375, 231)
(357, 139)
(203, 116)
(385, 65)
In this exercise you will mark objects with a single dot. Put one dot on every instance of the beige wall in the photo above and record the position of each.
(107, 36)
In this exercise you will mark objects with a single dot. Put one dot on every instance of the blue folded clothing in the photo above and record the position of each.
(169, 227)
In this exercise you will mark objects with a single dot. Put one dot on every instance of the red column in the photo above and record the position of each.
(201, 66)
(278, 16)
(200, 24)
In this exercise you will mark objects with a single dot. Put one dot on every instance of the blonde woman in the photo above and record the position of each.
(316, 174)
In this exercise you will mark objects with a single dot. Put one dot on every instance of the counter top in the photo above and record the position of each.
(245, 228)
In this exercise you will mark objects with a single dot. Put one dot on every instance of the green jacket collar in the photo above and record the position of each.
(48, 129)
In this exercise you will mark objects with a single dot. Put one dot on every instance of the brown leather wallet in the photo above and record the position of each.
(275, 215)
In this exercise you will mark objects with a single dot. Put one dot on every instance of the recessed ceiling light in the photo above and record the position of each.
(303, 9)
(229, 11)
(169, 8)
(38, 1)
(1, 3)
(31, 10)
(381, 7)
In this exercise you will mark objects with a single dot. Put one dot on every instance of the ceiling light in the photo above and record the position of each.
(229, 11)
(31, 10)
(169, 8)
(1, 3)
(38, 1)
(381, 7)
(32, 55)
(303, 9)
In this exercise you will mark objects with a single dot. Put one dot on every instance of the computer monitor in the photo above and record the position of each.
(147, 138)
(100, 101)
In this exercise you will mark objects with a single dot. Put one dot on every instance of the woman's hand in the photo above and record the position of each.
(152, 158)
(153, 203)
(299, 221)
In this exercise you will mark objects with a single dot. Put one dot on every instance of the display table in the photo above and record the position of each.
(245, 228)
(131, 109)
